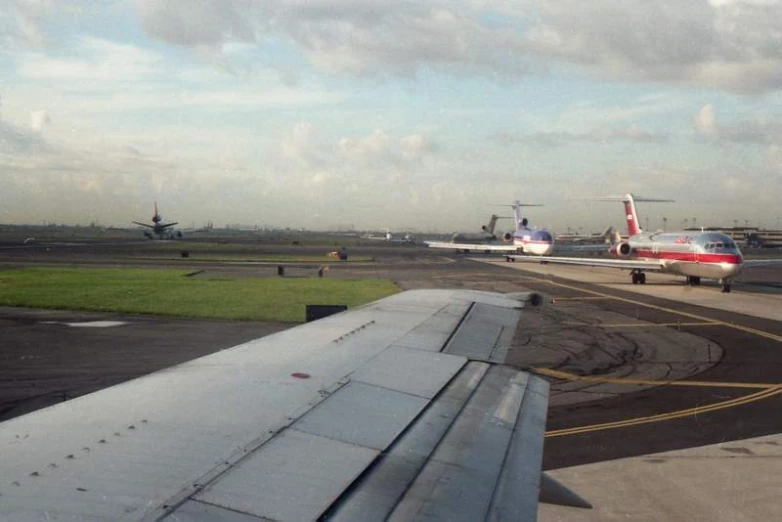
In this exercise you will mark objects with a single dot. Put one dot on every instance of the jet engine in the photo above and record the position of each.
(507, 237)
(621, 249)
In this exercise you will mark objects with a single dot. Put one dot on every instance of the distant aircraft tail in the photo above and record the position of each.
(633, 228)
(628, 200)
(156, 217)
(492, 223)
(606, 234)
(516, 205)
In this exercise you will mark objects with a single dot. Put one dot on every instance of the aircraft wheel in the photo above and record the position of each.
(696, 281)
(726, 288)
(642, 278)
(635, 278)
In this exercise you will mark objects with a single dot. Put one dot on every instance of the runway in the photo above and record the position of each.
(635, 369)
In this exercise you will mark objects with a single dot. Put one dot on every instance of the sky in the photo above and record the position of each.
(411, 115)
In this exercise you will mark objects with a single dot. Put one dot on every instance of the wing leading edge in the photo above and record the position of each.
(626, 264)
(472, 247)
(392, 410)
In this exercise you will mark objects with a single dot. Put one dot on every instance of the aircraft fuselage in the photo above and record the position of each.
(709, 255)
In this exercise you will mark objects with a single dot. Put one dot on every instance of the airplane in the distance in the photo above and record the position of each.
(695, 255)
(609, 235)
(523, 240)
(486, 235)
(161, 230)
(400, 409)
(406, 239)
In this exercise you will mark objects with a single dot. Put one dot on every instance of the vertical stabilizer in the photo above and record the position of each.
(517, 212)
(633, 228)
(156, 217)
(492, 223)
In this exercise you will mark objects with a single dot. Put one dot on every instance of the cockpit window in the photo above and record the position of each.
(720, 245)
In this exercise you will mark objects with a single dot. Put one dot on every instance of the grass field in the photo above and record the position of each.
(172, 292)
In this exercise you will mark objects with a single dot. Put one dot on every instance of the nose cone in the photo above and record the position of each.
(542, 236)
(543, 241)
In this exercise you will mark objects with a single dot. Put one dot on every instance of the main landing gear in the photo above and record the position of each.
(725, 286)
(639, 278)
(693, 280)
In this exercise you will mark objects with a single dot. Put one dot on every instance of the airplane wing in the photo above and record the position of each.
(472, 247)
(628, 264)
(397, 409)
(166, 225)
(570, 247)
(143, 224)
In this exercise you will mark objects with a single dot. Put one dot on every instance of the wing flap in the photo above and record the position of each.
(295, 477)
(485, 334)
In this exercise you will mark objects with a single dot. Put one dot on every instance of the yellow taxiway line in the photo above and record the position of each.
(763, 394)
(557, 374)
(637, 325)
(747, 329)
(766, 390)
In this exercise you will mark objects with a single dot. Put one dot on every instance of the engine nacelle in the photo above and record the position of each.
(507, 237)
(622, 249)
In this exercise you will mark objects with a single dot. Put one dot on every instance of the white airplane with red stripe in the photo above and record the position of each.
(696, 255)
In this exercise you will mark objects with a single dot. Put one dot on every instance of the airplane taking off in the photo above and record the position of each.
(696, 255)
(524, 240)
(162, 230)
(486, 234)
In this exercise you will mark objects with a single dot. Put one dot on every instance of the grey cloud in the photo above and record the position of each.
(204, 22)
(15, 140)
(735, 47)
(747, 132)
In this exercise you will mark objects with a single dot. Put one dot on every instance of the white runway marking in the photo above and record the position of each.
(90, 324)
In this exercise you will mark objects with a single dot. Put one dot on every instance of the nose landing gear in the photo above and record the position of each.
(725, 286)
(639, 278)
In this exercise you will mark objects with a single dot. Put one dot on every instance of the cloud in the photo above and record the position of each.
(730, 45)
(381, 150)
(39, 119)
(734, 46)
(101, 63)
(17, 141)
(706, 120)
(601, 135)
(746, 132)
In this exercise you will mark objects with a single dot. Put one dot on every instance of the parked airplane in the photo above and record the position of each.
(407, 239)
(486, 234)
(696, 255)
(609, 235)
(399, 409)
(161, 230)
(524, 240)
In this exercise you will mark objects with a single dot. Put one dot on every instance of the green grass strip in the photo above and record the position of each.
(171, 292)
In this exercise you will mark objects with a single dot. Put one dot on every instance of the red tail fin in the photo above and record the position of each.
(633, 227)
